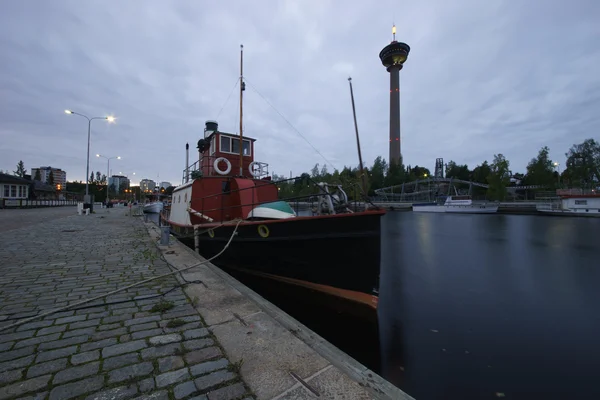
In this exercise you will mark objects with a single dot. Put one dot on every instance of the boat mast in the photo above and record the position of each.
(242, 87)
(362, 172)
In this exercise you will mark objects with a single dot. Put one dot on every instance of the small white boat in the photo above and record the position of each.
(457, 204)
(154, 207)
(583, 205)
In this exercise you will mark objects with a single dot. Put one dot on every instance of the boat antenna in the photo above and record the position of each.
(362, 172)
(242, 87)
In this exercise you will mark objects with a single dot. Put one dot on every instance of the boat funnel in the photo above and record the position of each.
(210, 127)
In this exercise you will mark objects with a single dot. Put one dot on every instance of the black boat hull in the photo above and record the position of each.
(338, 254)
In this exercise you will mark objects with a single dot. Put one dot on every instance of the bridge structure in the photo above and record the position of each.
(429, 188)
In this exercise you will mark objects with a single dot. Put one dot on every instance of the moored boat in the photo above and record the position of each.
(227, 196)
(576, 205)
(153, 207)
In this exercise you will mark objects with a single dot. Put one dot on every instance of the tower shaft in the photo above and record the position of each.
(395, 149)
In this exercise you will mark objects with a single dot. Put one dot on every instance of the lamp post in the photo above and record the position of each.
(109, 118)
(557, 166)
(107, 171)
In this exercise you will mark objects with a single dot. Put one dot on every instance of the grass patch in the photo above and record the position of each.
(162, 306)
(236, 366)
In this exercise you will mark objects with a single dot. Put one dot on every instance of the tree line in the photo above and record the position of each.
(582, 170)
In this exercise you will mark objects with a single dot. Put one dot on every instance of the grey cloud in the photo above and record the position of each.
(482, 78)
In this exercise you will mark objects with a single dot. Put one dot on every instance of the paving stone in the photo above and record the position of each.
(131, 371)
(37, 396)
(16, 336)
(82, 358)
(198, 344)
(51, 329)
(24, 387)
(77, 332)
(84, 324)
(145, 334)
(116, 318)
(161, 351)
(52, 354)
(228, 392)
(195, 333)
(68, 320)
(18, 363)
(170, 363)
(34, 325)
(169, 378)
(146, 385)
(107, 327)
(10, 376)
(142, 320)
(108, 334)
(118, 393)
(6, 346)
(142, 327)
(46, 367)
(18, 353)
(73, 373)
(76, 389)
(201, 397)
(37, 340)
(63, 342)
(99, 344)
(214, 379)
(123, 348)
(165, 339)
(210, 366)
(184, 389)
(119, 361)
(125, 338)
(162, 395)
(198, 356)
(183, 328)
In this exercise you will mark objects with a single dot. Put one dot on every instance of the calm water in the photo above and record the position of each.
(471, 305)
(475, 305)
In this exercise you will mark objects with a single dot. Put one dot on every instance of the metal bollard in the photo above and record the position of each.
(164, 235)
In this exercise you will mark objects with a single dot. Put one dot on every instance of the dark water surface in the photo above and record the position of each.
(476, 307)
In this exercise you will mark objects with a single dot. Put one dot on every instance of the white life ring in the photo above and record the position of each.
(254, 173)
(216, 165)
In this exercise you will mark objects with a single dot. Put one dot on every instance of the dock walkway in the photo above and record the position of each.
(213, 339)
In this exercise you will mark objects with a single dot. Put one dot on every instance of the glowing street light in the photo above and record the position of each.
(107, 171)
(109, 118)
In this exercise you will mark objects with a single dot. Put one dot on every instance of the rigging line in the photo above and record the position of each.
(228, 97)
(290, 124)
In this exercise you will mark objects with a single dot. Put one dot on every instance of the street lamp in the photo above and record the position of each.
(109, 118)
(557, 166)
(107, 171)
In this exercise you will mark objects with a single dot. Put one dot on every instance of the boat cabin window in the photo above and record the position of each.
(232, 146)
(581, 202)
(213, 145)
(225, 187)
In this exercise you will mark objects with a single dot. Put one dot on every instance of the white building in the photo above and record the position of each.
(60, 176)
(147, 185)
(165, 185)
(120, 182)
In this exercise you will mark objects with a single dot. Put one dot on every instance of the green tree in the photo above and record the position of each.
(540, 170)
(92, 177)
(481, 172)
(377, 174)
(51, 178)
(21, 171)
(453, 170)
(395, 174)
(499, 178)
(583, 163)
(98, 177)
(38, 176)
(103, 179)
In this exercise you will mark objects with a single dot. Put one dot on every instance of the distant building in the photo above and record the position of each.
(120, 182)
(13, 187)
(165, 185)
(147, 185)
(60, 176)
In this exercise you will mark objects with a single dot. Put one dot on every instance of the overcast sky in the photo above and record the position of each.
(483, 77)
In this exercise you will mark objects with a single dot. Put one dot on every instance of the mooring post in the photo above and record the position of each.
(196, 240)
(164, 237)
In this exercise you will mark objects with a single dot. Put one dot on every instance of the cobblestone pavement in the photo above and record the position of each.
(18, 218)
(121, 347)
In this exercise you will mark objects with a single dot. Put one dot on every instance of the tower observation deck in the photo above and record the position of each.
(393, 57)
